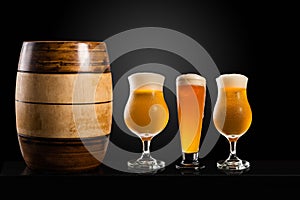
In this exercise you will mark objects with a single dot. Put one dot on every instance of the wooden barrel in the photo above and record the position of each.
(63, 104)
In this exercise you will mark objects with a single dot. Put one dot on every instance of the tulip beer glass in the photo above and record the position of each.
(146, 114)
(191, 92)
(232, 116)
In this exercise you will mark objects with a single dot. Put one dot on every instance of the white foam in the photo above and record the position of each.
(232, 80)
(146, 80)
(191, 79)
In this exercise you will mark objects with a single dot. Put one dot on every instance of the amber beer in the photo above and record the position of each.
(191, 90)
(233, 114)
(146, 114)
(145, 107)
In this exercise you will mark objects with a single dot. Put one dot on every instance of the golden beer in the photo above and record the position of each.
(146, 113)
(190, 92)
(233, 113)
(191, 100)
(232, 116)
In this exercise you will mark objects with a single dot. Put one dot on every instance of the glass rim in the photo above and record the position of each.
(232, 75)
(62, 41)
(145, 74)
(190, 79)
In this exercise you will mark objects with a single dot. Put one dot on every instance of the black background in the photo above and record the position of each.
(245, 37)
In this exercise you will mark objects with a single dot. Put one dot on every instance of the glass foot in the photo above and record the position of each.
(231, 164)
(190, 166)
(145, 165)
(189, 162)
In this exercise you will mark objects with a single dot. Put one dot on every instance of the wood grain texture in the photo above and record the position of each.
(64, 88)
(63, 57)
(63, 155)
(63, 104)
(63, 121)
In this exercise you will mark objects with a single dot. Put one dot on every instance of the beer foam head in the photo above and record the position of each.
(146, 80)
(232, 80)
(191, 79)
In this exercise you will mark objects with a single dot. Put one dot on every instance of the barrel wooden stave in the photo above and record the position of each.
(78, 88)
(61, 154)
(64, 57)
(63, 121)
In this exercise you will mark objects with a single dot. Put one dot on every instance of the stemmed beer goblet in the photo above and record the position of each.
(232, 116)
(146, 114)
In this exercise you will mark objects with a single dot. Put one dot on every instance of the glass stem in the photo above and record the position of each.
(146, 149)
(232, 155)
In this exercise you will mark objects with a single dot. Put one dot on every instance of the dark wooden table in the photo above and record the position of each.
(264, 176)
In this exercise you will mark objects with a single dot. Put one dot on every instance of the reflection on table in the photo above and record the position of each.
(258, 168)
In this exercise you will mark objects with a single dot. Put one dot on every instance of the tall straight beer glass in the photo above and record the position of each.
(232, 116)
(191, 92)
(146, 114)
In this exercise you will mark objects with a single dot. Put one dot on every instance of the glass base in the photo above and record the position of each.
(233, 164)
(193, 166)
(190, 162)
(146, 165)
